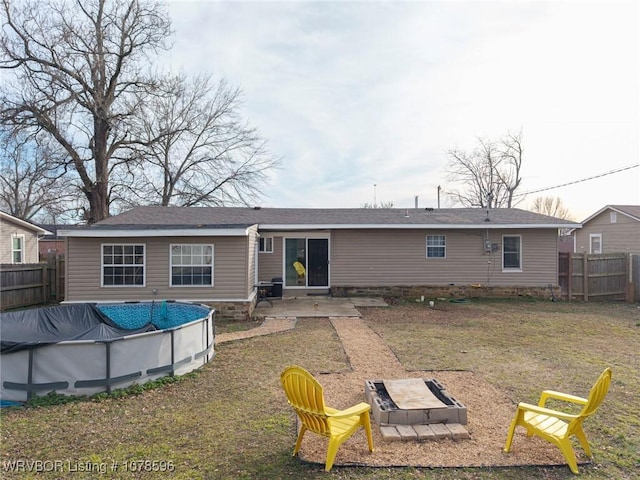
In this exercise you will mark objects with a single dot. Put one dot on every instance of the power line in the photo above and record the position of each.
(579, 181)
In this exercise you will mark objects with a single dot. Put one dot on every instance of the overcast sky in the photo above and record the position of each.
(357, 94)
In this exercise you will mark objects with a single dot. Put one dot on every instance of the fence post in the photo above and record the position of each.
(629, 297)
(570, 277)
(58, 275)
(62, 277)
(45, 284)
(585, 276)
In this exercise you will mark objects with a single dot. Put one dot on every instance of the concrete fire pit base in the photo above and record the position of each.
(420, 433)
(415, 410)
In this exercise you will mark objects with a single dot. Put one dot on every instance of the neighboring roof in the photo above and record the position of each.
(53, 230)
(24, 223)
(236, 220)
(632, 211)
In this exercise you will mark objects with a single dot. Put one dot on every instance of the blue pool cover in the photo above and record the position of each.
(43, 326)
(161, 314)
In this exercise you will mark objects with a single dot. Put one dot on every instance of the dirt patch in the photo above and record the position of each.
(269, 326)
(489, 414)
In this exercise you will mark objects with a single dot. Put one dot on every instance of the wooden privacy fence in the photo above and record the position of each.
(635, 278)
(610, 276)
(31, 284)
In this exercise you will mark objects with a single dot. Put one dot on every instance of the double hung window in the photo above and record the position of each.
(17, 249)
(191, 265)
(512, 252)
(123, 265)
(595, 243)
(265, 245)
(436, 246)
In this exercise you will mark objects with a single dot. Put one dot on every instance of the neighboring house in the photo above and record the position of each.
(51, 243)
(217, 255)
(612, 229)
(565, 243)
(18, 240)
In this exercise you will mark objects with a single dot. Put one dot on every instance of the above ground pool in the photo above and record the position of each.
(83, 349)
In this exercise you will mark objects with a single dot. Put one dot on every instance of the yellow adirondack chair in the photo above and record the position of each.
(558, 427)
(306, 397)
(300, 271)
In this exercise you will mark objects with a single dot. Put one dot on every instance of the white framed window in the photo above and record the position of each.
(17, 248)
(123, 265)
(265, 245)
(512, 252)
(436, 246)
(595, 243)
(191, 265)
(613, 217)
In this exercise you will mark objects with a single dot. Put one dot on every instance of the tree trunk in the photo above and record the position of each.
(98, 199)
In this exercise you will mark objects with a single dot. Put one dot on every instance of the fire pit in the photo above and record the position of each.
(415, 408)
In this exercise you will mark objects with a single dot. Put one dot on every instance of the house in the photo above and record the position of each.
(612, 229)
(18, 240)
(51, 244)
(565, 243)
(218, 255)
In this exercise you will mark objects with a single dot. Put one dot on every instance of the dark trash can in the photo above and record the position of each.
(276, 290)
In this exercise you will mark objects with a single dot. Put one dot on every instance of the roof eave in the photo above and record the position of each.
(622, 212)
(243, 232)
(609, 207)
(156, 232)
(25, 224)
(414, 226)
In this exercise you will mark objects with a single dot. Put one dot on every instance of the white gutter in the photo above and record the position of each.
(157, 232)
(414, 226)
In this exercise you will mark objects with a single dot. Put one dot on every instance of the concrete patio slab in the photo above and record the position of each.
(303, 307)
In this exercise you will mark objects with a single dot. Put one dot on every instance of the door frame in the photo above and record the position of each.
(306, 236)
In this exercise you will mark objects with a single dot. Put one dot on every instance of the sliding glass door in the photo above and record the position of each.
(306, 262)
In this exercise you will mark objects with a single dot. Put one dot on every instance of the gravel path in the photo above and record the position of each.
(367, 352)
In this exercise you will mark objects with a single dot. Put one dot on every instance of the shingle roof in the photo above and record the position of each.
(52, 228)
(239, 217)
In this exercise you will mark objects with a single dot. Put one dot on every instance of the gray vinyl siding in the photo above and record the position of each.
(620, 237)
(8, 230)
(83, 270)
(398, 257)
(270, 264)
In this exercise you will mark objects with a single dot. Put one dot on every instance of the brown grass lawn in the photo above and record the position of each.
(231, 420)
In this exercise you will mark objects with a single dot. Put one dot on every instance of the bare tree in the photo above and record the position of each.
(510, 165)
(489, 175)
(388, 204)
(551, 206)
(77, 69)
(31, 183)
(197, 150)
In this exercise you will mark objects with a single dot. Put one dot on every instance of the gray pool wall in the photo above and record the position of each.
(87, 367)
